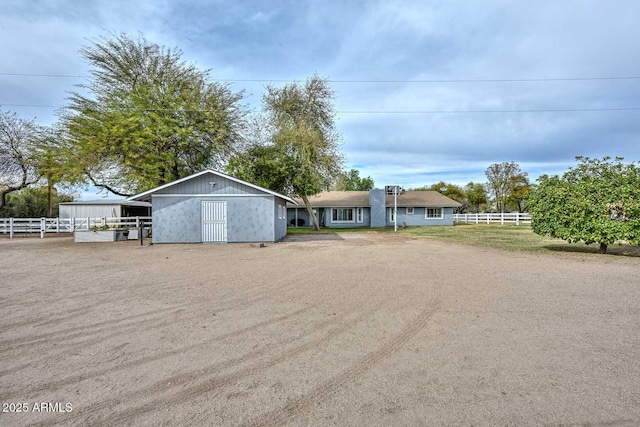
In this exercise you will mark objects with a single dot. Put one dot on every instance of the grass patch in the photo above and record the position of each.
(511, 237)
(309, 230)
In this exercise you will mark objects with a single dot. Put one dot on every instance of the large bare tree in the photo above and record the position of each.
(19, 139)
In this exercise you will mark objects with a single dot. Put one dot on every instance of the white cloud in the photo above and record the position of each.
(379, 40)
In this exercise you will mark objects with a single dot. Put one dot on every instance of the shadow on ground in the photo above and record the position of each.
(618, 250)
(311, 237)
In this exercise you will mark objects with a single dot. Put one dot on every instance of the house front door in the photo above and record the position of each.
(214, 221)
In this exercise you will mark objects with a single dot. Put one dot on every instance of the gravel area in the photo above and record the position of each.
(372, 330)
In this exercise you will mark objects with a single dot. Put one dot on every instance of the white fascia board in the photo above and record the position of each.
(210, 171)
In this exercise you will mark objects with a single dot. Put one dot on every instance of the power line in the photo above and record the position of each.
(532, 110)
(553, 79)
(446, 80)
(40, 75)
(31, 105)
(545, 110)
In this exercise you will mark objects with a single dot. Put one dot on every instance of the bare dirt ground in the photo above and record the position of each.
(360, 329)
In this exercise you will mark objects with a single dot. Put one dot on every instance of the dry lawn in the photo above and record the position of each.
(367, 329)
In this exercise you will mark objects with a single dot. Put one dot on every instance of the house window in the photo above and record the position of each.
(410, 211)
(342, 215)
(433, 213)
(359, 215)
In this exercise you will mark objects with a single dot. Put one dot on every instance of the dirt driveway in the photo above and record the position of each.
(365, 330)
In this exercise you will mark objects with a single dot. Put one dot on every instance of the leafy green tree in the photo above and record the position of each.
(519, 190)
(597, 201)
(351, 181)
(448, 189)
(33, 202)
(476, 195)
(268, 166)
(503, 180)
(300, 154)
(148, 117)
(18, 141)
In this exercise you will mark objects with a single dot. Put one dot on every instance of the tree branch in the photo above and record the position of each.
(105, 186)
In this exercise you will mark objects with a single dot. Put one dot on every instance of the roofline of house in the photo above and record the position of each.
(420, 205)
(123, 202)
(211, 171)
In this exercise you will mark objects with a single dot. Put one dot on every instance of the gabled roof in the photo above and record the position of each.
(361, 199)
(147, 194)
(423, 199)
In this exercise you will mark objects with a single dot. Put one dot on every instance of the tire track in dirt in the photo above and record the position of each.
(80, 330)
(52, 385)
(43, 321)
(13, 343)
(46, 339)
(136, 329)
(48, 299)
(17, 301)
(212, 384)
(324, 391)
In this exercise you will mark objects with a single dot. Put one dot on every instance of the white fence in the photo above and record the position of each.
(488, 218)
(13, 226)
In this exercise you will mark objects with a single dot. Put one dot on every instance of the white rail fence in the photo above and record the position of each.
(13, 226)
(488, 218)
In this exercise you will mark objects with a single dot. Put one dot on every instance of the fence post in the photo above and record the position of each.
(477, 217)
(11, 228)
(517, 218)
(488, 217)
(501, 218)
(43, 226)
(57, 224)
(88, 224)
(466, 218)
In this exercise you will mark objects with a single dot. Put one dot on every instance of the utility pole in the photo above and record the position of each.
(396, 189)
(395, 209)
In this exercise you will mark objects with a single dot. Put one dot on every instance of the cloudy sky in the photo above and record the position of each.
(425, 90)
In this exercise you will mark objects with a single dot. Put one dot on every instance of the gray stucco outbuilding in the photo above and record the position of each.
(210, 206)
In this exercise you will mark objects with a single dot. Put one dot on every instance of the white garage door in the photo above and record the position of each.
(214, 221)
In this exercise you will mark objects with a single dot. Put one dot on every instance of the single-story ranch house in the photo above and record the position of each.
(210, 206)
(374, 208)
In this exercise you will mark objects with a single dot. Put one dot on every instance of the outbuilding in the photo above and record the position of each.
(210, 206)
(104, 208)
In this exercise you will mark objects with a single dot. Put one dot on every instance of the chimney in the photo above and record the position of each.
(378, 202)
